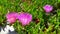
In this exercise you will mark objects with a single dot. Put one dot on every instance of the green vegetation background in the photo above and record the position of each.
(48, 24)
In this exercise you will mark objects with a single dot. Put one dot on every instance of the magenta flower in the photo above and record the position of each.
(48, 8)
(25, 18)
(11, 17)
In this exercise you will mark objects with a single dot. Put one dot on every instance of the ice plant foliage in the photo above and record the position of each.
(11, 17)
(24, 18)
(48, 8)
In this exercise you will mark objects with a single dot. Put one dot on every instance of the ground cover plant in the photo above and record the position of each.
(31, 16)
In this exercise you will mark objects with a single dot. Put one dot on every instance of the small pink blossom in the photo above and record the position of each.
(11, 17)
(25, 18)
(48, 8)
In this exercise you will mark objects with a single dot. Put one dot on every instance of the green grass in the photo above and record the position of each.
(48, 24)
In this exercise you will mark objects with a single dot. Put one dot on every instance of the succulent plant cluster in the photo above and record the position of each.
(30, 16)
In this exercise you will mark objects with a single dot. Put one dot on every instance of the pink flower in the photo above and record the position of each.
(48, 8)
(11, 17)
(25, 18)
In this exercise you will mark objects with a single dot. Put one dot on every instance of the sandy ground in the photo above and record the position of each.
(3, 32)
